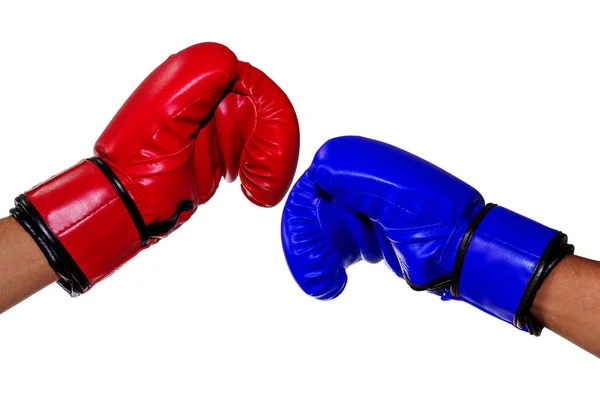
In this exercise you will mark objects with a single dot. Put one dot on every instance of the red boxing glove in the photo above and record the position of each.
(199, 116)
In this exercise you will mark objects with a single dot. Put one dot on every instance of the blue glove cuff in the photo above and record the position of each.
(502, 261)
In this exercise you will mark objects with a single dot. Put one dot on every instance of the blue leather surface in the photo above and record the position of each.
(500, 261)
(365, 199)
(320, 241)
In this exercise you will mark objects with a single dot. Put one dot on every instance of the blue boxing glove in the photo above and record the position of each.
(363, 199)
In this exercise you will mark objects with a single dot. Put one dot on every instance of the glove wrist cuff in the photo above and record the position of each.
(81, 224)
(502, 262)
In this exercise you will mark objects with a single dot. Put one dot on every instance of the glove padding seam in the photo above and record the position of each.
(85, 217)
(392, 203)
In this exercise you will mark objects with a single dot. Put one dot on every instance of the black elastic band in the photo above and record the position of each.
(159, 228)
(125, 198)
(464, 246)
(72, 279)
(152, 231)
(433, 286)
(556, 250)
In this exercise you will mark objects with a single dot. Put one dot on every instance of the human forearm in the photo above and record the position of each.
(23, 268)
(568, 303)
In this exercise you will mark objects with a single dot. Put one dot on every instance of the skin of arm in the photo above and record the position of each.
(23, 267)
(568, 303)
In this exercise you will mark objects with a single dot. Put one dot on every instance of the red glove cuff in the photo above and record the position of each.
(82, 224)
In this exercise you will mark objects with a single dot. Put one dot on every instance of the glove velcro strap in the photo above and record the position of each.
(87, 224)
(81, 225)
(504, 261)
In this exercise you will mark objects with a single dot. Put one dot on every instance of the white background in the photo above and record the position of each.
(504, 95)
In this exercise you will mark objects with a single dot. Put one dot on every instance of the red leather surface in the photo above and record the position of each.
(254, 134)
(85, 213)
(199, 116)
(150, 137)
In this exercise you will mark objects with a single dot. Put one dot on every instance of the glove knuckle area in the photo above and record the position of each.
(202, 65)
(171, 104)
(381, 180)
